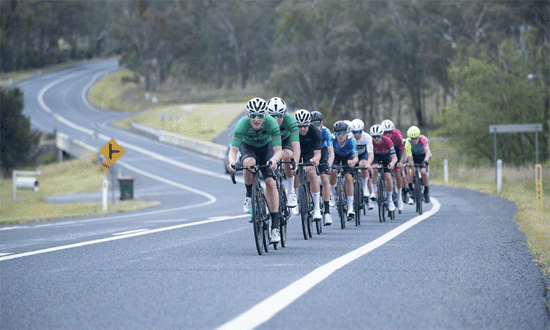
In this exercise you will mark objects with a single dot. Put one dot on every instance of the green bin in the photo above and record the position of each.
(126, 188)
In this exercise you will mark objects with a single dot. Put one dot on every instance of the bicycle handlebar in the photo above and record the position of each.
(252, 169)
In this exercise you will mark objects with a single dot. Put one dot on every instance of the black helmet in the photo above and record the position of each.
(340, 126)
(316, 116)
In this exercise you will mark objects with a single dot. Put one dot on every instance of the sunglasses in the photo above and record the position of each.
(317, 124)
(376, 136)
(340, 133)
(357, 132)
(277, 115)
(257, 116)
(303, 126)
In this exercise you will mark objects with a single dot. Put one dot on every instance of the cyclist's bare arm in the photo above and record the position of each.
(316, 157)
(428, 153)
(353, 161)
(296, 151)
(232, 158)
(391, 165)
(277, 154)
(330, 160)
(370, 159)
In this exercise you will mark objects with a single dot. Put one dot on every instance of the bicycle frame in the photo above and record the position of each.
(259, 215)
(305, 201)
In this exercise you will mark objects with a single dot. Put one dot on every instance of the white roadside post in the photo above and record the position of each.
(105, 194)
(499, 175)
(446, 170)
(24, 182)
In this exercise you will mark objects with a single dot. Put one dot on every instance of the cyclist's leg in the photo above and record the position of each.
(248, 158)
(364, 173)
(349, 188)
(289, 183)
(311, 174)
(271, 193)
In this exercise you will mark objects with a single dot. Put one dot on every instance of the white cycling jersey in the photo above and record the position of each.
(364, 144)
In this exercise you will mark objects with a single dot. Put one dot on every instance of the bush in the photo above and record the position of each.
(48, 158)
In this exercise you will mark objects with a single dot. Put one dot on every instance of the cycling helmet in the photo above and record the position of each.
(316, 116)
(413, 132)
(376, 130)
(276, 105)
(357, 125)
(303, 117)
(387, 125)
(256, 105)
(340, 126)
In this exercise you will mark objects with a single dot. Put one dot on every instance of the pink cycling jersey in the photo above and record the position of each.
(383, 148)
(397, 138)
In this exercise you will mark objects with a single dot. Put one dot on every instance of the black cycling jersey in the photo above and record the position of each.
(311, 140)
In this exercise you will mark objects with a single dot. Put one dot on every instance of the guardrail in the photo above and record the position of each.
(206, 148)
(73, 147)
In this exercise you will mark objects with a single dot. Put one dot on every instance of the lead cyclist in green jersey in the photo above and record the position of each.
(258, 138)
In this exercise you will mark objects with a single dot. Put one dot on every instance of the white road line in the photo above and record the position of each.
(114, 238)
(266, 309)
(4, 254)
(130, 232)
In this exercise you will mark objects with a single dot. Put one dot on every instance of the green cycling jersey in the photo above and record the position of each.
(268, 132)
(289, 127)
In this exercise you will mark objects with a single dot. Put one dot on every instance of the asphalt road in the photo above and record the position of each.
(191, 262)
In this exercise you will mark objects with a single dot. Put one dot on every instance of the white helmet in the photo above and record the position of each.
(387, 125)
(357, 125)
(276, 105)
(303, 117)
(349, 125)
(256, 105)
(376, 130)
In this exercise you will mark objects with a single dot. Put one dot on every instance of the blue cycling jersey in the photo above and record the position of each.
(349, 147)
(326, 137)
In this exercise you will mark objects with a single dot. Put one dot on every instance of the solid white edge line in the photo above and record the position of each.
(266, 309)
(114, 238)
(130, 232)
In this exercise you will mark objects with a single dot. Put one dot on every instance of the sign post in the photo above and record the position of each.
(538, 188)
(516, 128)
(112, 152)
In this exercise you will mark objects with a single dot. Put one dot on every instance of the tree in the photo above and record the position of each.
(492, 93)
(16, 138)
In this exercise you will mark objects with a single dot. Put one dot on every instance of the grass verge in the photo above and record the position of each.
(70, 177)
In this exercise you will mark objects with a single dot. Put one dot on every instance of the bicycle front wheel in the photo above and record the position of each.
(257, 222)
(358, 192)
(284, 215)
(418, 194)
(341, 202)
(303, 210)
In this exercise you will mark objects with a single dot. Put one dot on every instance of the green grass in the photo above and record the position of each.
(70, 177)
(199, 121)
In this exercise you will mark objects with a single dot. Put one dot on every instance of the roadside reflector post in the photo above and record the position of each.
(499, 175)
(105, 194)
(446, 170)
(538, 188)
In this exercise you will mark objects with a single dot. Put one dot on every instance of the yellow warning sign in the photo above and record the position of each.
(112, 151)
(106, 166)
(538, 188)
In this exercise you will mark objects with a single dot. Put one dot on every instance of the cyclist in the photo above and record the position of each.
(345, 153)
(310, 146)
(384, 152)
(397, 138)
(327, 158)
(418, 149)
(290, 142)
(258, 138)
(366, 156)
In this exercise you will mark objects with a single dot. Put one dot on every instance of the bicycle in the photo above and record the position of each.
(381, 197)
(341, 200)
(359, 202)
(305, 201)
(284, 210)
(418, 194)
(259, 215)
